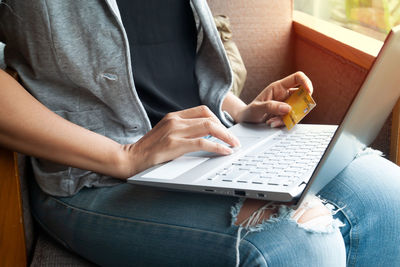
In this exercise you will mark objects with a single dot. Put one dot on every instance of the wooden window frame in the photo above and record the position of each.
(355, 47)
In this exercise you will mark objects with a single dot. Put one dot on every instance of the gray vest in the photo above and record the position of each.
(73, 56)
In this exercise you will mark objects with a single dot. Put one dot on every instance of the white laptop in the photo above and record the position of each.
(286, 166)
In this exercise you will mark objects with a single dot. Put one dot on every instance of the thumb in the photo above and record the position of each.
(276, 108)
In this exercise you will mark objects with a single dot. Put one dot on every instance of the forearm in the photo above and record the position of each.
(29, 127)
(233, 105)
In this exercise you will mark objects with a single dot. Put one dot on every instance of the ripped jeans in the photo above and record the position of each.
(129, 225)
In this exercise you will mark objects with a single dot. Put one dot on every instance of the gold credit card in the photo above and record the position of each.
(302, 103)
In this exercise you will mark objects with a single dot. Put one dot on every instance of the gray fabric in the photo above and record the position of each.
(79, 71)
(48, 253)
(2, 63)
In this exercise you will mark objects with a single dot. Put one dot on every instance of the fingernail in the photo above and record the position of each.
(274, 124)
(227, 151)
(284, 108)
(235, 141)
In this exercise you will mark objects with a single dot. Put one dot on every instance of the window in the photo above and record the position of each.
(374, 18)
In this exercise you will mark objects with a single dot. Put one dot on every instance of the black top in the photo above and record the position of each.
(163, 38)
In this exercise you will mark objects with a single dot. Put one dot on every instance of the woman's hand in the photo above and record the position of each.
(29, 127)
(179, 133)
(268, 106)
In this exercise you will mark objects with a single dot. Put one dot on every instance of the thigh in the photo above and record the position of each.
(368, 194)
(129, 225)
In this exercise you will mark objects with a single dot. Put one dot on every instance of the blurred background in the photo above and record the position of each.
(374, 18)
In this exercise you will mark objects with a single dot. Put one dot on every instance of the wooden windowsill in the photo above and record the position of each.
(355, 47)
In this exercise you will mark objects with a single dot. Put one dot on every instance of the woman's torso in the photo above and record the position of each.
(73, 56)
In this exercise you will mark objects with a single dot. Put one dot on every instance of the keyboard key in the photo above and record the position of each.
(235, 174)
(290, 160)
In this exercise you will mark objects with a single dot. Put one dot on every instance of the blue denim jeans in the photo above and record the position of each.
(128, 225)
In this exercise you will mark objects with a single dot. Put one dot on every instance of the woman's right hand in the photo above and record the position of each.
(27, 126)
(176, 134)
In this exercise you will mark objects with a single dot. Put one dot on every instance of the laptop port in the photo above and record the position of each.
(260, 195)
(240, 193)
(209, 190)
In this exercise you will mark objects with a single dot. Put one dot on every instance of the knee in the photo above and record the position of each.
(373, 186)
(287, 244)
(368, 186)
(310, 237)
(313, 214)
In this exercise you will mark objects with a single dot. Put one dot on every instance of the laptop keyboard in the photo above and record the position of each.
(290, 160)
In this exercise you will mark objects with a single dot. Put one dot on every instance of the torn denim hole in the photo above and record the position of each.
(320, 224)
(368, 151)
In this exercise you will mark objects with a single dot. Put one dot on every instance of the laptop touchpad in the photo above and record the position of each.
(175, 167)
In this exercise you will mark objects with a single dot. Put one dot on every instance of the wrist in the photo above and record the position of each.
(124, 163)
(238, 113)
(234, 106)
(132, 159)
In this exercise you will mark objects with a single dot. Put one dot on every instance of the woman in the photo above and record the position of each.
(75, 60)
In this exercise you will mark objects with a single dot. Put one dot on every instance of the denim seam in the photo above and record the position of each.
(154, 223)
(256, 248)
(118, 217)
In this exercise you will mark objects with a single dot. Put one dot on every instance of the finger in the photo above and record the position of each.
(197, 112)
(290, 92)
(297, 79)
(275, 122)
(272, 107)
(202, 127)
(263, 110)
(206, 145)
(271, 120)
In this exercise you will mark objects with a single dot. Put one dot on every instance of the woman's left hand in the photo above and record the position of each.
(268, 106)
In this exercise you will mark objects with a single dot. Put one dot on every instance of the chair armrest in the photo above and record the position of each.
(12, 236)
(12, 233)
(395, 136)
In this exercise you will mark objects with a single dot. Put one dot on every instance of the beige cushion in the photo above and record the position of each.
(262, 32)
